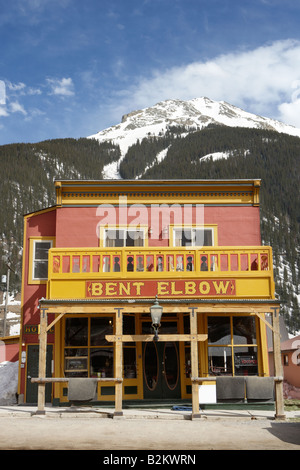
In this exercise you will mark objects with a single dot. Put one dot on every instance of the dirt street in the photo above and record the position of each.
(79, 433)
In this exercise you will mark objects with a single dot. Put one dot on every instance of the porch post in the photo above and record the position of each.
(118, 362)
(278, 372)
(194, 363)
(42, 360)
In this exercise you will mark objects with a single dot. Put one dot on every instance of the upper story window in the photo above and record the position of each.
(183, 236)
(38, 270)
(40, 260)
(123, 237)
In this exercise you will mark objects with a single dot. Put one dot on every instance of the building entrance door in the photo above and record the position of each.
(161, 365)
(33, 371)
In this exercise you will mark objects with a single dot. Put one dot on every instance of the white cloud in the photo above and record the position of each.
(16, 87)
(290, 113)
(34, 91)
(260, 81)
(16, 107)
(3, 112)
(63, 87)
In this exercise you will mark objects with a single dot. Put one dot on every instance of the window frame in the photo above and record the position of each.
(212, 228)
(32, 247)
(142, 228)
(89, 347)
(235, 346)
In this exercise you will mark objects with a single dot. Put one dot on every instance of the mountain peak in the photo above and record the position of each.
(194, 114)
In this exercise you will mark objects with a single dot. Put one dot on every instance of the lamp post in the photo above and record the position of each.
(156, 311)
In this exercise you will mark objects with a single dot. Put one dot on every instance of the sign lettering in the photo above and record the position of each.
(34, 329)
(168, 289)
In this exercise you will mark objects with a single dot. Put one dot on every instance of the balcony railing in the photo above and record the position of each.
(107, 263)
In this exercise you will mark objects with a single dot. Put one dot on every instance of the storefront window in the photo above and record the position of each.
(218, 329)
(245, 361)
(129, 358)
(128, 325)
(100, 327)
(82, 358)
(101, 362)
(232, 345)
(87, 353)
(76, 362)
(244, 330)
(76, 332)
(220, 360)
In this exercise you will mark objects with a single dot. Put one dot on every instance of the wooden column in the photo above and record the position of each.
(194, 363)
(278, 372)
(118, 362)
(42, 360)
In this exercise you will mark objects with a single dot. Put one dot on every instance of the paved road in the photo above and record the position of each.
(103, 433)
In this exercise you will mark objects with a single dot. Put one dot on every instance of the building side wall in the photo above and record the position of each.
(36, 226)
(291, 372)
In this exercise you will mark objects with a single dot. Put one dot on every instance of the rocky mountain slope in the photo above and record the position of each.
(189, 116)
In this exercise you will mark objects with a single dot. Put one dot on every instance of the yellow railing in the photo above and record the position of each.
(73, 263)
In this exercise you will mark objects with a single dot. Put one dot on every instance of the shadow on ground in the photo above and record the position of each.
(286, 432)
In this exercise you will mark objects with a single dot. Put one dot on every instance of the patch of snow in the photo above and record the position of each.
(221, 155)
(159, 158)
(11, 300)
(215, 156)
(162, 155)
(111, 171)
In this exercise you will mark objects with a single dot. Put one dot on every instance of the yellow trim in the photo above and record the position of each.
(38, 212)
(208, 192)
(32, 240)
(264, 359)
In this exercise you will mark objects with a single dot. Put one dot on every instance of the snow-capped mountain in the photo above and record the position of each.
(194, 114)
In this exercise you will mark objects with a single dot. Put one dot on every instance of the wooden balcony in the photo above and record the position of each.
(238, 272)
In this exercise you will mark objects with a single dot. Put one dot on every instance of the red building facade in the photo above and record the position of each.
(109, 245)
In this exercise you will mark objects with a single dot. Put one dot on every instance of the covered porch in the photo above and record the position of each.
(196, 340)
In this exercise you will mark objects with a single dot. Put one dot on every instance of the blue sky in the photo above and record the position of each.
(71, 68)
